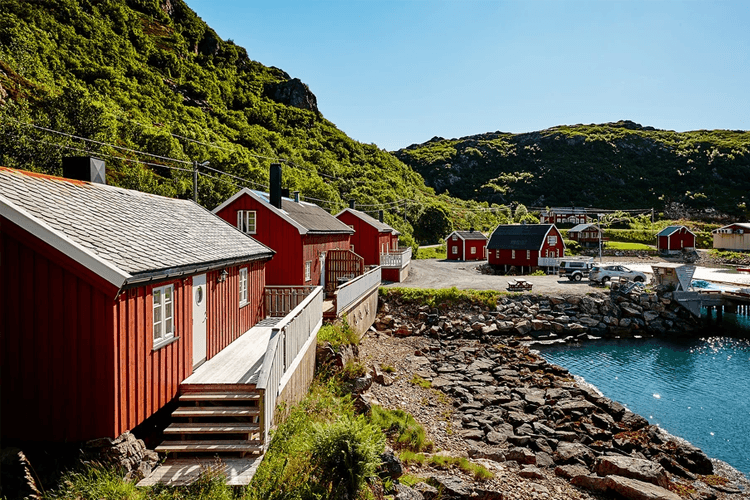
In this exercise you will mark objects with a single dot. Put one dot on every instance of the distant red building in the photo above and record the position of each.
(588, 235)
(372, 237)
(100, 286)
(675, 239)
(564, 215)
(466, 245)
(525, 246)
(299, 232)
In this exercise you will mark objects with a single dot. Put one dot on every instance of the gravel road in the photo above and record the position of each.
(433, 273)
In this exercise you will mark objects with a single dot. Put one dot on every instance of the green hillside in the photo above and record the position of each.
(128, 77)
(616, 165)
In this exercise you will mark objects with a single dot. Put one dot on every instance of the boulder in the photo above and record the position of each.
(521, 456)
(573, 453)
(592, 483)
(428, 492)
(693, 459)
(531, 472)
(571, 471)
(633, 489)
(635, 468)
(405, 493)
(390, 464)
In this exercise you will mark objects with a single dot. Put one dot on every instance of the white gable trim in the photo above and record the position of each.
(63, 243)
(245, 191)
(358, 216)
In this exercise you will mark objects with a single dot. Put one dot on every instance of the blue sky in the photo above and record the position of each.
(395, 73)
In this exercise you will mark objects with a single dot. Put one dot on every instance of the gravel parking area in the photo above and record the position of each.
(432, 273)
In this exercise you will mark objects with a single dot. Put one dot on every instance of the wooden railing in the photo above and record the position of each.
(352, 290)
(280, 300)
(288, 338)
(397, 258)
(342, 264)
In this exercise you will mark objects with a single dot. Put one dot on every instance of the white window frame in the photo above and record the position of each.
(454, 249)
(163, 328)
(473, 250)
(308, 270)
(243, 286)
(243, 221)
(528, 254)
(552, 240)
(513, 254)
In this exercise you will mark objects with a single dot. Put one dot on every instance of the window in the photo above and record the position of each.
(528, 254)
(552, 240)
(246, 221)
(243, 286)
(163, 314)
(455, 238)
(497, 254)
(512, 254)
(308, 270)
(351, 247)
(455, 250)
(473, 250)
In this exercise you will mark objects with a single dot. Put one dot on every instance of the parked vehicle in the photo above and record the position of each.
(575, 269)
(603, 274)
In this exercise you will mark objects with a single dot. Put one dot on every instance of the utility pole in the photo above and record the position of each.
(195, 177)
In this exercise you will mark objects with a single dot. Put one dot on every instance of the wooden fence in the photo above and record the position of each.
(280, 300)
(342, 264)
(398, 259)
(353, 290)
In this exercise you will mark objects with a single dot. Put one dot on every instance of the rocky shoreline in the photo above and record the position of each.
(511, 406)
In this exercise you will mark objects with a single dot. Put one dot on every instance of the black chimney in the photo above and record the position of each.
(84, 168)
(352, 204)
(471, 230)
(296, 196)
(380, 215)
(274, 196)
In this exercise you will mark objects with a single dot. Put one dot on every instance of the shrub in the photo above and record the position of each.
(401, 427)
(538, 272)
(353, 369)
(346, 453)
(338, 335)
(417, 380)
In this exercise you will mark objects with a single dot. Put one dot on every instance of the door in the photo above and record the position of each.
(199, 319)
(322, 258)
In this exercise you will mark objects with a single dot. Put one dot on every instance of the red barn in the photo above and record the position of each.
(466, 245)
(372, 237)
(299, 232)
(525, 246)
(588, 235)
(110, 298)
(674, 239)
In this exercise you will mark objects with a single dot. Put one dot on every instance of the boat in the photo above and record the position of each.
(743, 270)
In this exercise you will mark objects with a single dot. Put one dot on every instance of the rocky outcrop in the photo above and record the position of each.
(293, 93)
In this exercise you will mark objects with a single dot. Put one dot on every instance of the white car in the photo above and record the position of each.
(603, 274)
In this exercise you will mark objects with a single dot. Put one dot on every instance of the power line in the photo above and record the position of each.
(99, 143)
(234, 176)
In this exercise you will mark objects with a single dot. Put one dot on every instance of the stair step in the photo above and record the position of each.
(209, 428)
(209, 446)
(219, 396)
(216, 411)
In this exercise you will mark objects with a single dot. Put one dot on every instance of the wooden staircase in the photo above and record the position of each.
(216, 422)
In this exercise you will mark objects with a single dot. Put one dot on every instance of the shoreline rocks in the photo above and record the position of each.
(514, 406)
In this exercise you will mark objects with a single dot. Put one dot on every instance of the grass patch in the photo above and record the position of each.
(406, 433)
(353, 369)
(443, 296)
(417, 380)
(338, 334)
(628, 245)
(410, 480)
(431, 253)
(479, 472)
(386, 368)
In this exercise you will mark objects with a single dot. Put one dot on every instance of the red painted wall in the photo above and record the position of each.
(313, 246)
(455, 248)
(479, 245)
(367, 240)
(56, 341)
(287, 266)
(504, 257)
(676, 241)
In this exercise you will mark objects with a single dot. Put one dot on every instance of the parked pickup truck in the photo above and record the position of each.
(575, 269)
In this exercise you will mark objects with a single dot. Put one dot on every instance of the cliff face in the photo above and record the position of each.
(614, 165)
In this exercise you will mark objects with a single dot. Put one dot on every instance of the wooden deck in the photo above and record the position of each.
(238, 364)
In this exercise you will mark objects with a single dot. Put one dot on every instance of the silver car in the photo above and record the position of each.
(603, 274)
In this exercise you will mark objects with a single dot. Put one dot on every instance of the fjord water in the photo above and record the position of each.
(696, 389)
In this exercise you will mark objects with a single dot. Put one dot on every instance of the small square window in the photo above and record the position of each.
(246, 221)
(308, 270)
(473, 250)
(243, 286)
(552, 240)
(455, 250)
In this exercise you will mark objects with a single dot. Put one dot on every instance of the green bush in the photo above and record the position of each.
(338, 335)
(346, 453)
(401, 427)
(572, 247)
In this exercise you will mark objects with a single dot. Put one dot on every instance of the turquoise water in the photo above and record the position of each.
(697, 389)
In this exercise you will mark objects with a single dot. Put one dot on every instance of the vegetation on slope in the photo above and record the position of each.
(127, 77)
(615, 166)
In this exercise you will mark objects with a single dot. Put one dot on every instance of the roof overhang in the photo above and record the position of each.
(61, 242)
(249, 192)
(357, 213)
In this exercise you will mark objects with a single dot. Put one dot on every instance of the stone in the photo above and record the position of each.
(573, 452)
(544, 459)
(633, 489)
(405, 493)
(521, 456)
(428, 492)
(592, 483)
(579, 405)
(531, 472)
(452, 487)
(633, 420)
(693, 459)
(495, 437)
(570, 471)
(475, 434)
(634, 468)
(390, 464)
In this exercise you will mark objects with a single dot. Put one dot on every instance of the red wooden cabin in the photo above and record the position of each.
(525, 246)
(466, 245)
(372, 237)
(588, 235)
(299, 232)
(675, 239)
(110, 298)
(564, 215)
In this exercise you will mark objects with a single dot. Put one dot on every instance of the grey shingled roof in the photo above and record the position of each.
(581, 227)
(518, 237)
(310, 216)
(382, 227)
(471, 235)
(139, 233)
